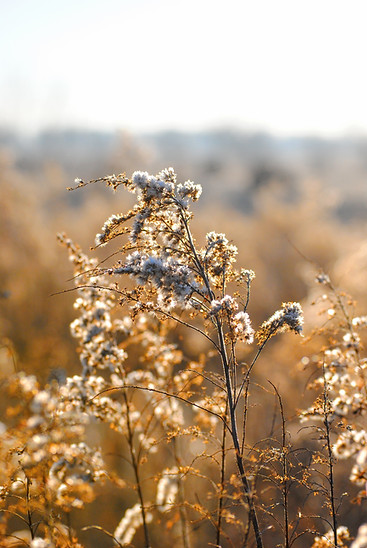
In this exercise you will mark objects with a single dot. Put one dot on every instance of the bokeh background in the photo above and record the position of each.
(263, 103)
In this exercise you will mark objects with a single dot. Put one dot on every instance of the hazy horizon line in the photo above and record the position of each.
(348, 134)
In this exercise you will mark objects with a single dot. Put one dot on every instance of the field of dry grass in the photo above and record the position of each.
(184, 408)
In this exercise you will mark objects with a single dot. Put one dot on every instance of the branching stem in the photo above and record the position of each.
(229, 393)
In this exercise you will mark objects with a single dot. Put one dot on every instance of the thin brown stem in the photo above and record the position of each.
(285, 478)
(245, 413)
(326, 412)
(98, 528)
(29, 513)
(157, 391)
(222, 477)
(182, 508)
(247, 376)
(135, 465)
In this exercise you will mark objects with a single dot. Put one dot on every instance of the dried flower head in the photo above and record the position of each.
(288, 318)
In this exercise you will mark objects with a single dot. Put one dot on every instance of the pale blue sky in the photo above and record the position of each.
(286, 66)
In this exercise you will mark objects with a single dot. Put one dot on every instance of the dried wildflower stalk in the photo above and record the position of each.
(147, 402)
(172, 274)
(341, 406)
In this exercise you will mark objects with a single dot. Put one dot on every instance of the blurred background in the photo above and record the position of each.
(263, 103)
